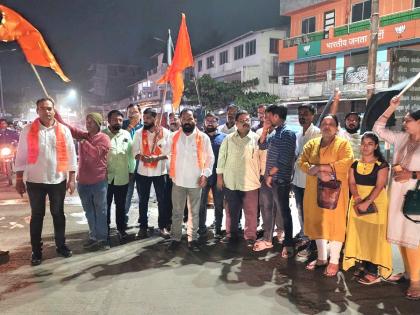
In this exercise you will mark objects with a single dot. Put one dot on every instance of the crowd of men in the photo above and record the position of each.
(183, 163)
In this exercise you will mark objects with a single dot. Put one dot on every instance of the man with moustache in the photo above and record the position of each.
(47, 156)
(306, 113)
(121, 167)
(132, 124)
(230, 126)
(148, 144)
(261, 118)
(211, 122)
(238, 172)
(191, 164)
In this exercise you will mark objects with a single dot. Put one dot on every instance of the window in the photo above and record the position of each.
(274, 45)
(200, 65)
(273, 79)
(329, 21)
(250, 48)
(210, 62)
(238, 52)
(308, 25)
(361, 11)
(223, 57)
(417, 3)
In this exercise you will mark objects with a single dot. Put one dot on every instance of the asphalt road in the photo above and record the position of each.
(142, 277)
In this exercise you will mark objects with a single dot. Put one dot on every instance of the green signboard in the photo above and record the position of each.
(309, 49)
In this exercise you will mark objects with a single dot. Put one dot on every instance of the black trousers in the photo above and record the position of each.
(118, 193)
(281, 193)
(144, 183)
(37, 194)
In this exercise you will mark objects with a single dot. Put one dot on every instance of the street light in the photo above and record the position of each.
(3, 110)
(72, 94)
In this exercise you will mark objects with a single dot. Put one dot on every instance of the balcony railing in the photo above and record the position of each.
(302, 39)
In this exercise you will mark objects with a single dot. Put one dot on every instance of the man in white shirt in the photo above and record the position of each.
(191, 163)
(46, 154)
(230, 125)
(306, 113)
(148, 145)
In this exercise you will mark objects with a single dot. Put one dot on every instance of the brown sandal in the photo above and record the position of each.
(413, 292)
(335, 268)
(287, 252)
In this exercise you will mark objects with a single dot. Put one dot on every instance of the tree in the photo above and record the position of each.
(216, 94)
(250, 101)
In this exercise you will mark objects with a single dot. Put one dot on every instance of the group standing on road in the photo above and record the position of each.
(338, 178)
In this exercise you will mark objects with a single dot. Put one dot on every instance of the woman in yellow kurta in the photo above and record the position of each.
(323, 225)
(366, 232)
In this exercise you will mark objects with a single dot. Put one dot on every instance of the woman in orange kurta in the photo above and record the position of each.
(323, 225)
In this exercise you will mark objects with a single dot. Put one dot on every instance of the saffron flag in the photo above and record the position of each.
(182, 59)
(14, 27)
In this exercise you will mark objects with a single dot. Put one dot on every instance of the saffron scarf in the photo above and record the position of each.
(199, 144)
(61, 146)
(146, 150)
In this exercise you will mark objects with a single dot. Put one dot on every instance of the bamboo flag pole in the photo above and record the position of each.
(40, 81)
(409, 85)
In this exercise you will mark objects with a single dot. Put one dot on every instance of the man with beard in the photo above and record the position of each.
(238, 172)
(230, 126)
(211, 122)
(132, 124)
(191, 163)
(147, 149)
(278, 174)
(306, 113)
(351, 126)
(121, 167)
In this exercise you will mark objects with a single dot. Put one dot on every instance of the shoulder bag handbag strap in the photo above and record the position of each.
(417, 188)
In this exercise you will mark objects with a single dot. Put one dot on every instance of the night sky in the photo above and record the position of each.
(81, 32)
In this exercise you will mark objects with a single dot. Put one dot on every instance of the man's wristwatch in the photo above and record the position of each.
(414, 175)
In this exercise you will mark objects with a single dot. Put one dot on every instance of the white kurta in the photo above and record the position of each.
(401, 231)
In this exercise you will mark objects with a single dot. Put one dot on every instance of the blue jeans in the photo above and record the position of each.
(94, 203)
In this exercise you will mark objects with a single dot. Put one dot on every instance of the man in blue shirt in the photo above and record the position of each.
(278, 173)
(211, 122)
(132, 124)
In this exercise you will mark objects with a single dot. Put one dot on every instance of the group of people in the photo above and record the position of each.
(250, 171)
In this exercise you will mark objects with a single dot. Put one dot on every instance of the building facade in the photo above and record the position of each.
(328, 46)
(249, 56)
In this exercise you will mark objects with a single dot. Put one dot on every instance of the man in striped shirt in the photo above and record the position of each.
(278, 173)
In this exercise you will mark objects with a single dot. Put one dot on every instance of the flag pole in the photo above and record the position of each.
(159, 125)
(39, 80)
(196, 88)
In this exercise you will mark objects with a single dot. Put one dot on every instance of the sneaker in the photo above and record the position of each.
(142, 234)
(64, 251)
(90, 242)
(36, 259)
(193, 246)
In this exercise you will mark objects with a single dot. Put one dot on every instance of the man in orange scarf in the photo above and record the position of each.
(191, 163)
(47, 156)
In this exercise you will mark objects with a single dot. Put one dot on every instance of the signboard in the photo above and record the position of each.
(310, 49)
(358, 74)
(406, 66)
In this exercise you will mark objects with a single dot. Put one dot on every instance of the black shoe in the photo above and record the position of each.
(218, 234)
(165, 234)
(64, 251)
(102, 245)
(174, 245)
(230, 240)
(193, 246)
(142, 234)
(250, 243)
(202, 238)
(89, 243)
(4, 253)
(36, 259)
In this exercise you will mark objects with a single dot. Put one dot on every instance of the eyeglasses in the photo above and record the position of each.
(244, 121)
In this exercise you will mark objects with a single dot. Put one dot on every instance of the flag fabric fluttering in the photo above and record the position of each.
(14, 27)
(182, 59)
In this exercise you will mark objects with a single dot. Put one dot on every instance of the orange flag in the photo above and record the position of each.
(15, 27)
(182, 59)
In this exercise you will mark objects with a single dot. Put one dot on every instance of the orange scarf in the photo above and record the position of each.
(61, 146)
(146, 150)
(199, 144)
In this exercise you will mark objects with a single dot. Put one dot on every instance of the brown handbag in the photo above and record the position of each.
(329, 192)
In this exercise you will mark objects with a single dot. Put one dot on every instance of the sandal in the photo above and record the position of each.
(331, 270)
(316, 264)
(287, 252)
(369, 279)
(396, 278)
(413, 292)
(359, 272)
(262, 245)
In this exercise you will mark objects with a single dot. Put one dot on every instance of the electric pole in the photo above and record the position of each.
(373, 48)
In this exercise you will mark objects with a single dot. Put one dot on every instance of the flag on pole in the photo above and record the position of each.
(170, 48)
(182, 59)
(14, 27)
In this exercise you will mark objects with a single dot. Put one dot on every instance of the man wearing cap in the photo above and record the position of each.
(92, 178)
